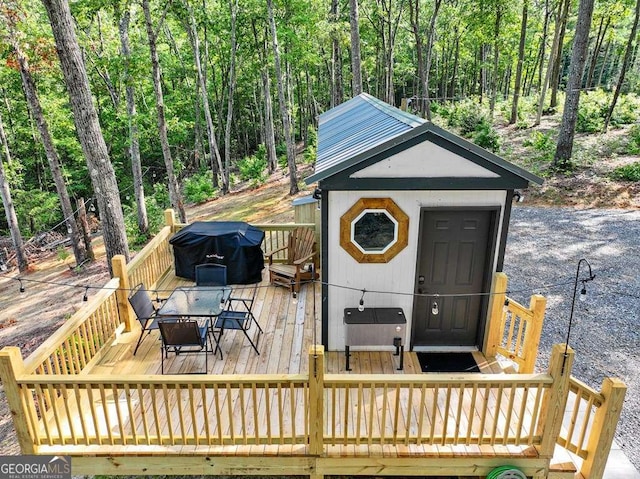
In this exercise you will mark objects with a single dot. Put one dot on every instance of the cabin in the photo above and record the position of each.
(403, 199)
(413, 226)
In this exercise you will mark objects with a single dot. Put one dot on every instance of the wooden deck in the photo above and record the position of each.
(288, 325)
(293, 409)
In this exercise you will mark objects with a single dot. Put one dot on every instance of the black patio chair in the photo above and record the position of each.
(211, 275)
(238, 315)
(185, 336)
(145, 311)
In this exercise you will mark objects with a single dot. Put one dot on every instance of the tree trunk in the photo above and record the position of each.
(496, 58)
(602, 30)
(337, 94)
(562, 157)
(284, 108)
(269, 131)
(174, 191)
(516, 87)
(233, 6)
(356, 64)
(414, 18)
(10, 212)
(547, 76)
(134, 145)
(427, 66)
(625, 65)
(88, 129)
(84, 227)
(214, 151)
(555, 74)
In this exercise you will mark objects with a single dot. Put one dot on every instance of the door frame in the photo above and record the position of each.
(492, 244)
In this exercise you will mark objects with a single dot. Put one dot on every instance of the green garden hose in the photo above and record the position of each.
(506, 472)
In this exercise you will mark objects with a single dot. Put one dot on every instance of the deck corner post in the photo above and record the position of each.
(11, 367)
(604, 428)
(170, 218)
(498, 296)
(537, 306)
(316, 400)
(119, 268)
(554, 401)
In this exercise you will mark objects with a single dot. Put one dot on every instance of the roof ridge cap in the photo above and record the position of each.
(400, 115)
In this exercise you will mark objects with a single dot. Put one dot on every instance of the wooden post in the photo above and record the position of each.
(170, 218)
(316, 400)
(12, 367)
(498, 296)
(554, 401)
(84, 227)
(603, 428)
(119, 268)
(537, 305)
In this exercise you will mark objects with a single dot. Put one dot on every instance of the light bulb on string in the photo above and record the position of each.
(21, 286)
(583, 293)
(505, 307)
(434, 309)
(86, 292)
(361, 303)
(295, 297)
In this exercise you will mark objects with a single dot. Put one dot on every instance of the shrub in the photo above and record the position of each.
(634, 140)
(40, 210)
(467, 116)
(155, 217)
(630, 172)
(592, 111)
(486, 136)
(253, 168)
(199, 188)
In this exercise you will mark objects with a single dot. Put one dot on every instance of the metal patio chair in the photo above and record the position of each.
(238, 315)
(185, 336)
(211, 275)
(145, 312)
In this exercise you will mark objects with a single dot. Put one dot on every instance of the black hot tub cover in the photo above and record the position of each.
(235, 244)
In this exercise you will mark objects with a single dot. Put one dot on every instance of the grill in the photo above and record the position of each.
(375, 327)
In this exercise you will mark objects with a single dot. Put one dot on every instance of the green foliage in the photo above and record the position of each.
(467, 116)
(155, 217)
(486, 136)
(161, 196)
(310, 152)
(542, 144)
(62, 254)
(634, 140)
(630, 172)
(253, 168)
(592, 111)
(38, 210)
(281, 153)
(199, 188)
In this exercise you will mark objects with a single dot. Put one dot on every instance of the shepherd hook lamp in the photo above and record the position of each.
(583, 296)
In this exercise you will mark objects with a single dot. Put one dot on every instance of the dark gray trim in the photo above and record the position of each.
(442, 183)
(505, 230)
(324, 214)
(443, 138)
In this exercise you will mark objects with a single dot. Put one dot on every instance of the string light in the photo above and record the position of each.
(505, 307)
(21, 286)
(361, 304)
(86, 292)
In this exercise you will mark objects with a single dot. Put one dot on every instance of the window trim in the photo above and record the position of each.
(363, 205)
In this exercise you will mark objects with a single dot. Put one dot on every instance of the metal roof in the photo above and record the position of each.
(355, 127)
(365, 126)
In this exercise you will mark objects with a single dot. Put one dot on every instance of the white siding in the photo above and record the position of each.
(425, 159)
(345, 272)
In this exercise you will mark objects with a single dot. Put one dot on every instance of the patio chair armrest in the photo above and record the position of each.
(270, 255)
(306, 259)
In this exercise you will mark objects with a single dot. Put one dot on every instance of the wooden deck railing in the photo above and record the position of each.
(516, 335)
(79, 340)
(432, 409)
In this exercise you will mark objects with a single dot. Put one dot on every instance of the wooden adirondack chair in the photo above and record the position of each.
(300, 251)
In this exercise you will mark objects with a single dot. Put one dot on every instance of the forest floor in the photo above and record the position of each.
(55, 289)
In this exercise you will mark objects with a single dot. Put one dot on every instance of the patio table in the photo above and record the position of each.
(197, 302)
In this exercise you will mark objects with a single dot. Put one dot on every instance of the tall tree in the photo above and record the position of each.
(356, 62)
(518, 82)
(337, 93)
(10, 212)
(555, 74)
(233, 7)
(33, 101)
(132, 116)
(88, 129)
(284, 106)
(564, 148)
(152, 34)
(214, 151)
(632, 44)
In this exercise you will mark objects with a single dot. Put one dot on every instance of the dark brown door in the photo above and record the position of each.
(453, 257)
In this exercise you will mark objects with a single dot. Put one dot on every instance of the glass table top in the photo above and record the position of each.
(196, 301)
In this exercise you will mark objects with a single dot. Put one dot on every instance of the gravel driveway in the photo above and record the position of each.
(543, 249)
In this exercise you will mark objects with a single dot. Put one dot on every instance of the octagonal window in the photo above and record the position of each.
(374, 231)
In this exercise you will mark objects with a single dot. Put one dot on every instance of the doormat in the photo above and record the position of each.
(448, 363)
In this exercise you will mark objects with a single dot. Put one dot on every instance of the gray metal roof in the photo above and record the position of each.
(365, 126)
(355, 127)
